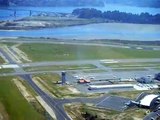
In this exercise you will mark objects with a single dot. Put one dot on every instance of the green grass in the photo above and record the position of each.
(127, 94)
(59, 91)
(49, 77)
(50, 80)
(132, 94)
(3, 112)
(129, 69)
(158, 68)
(94, 71)
(15, 104)
(8, 43)
(1, 60)
(6, 70)
(60, 67)
(133, 64)
(50, 52)
(76, 111)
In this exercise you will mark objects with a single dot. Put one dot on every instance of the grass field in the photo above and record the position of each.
(3, 112)
(132, 94)
(60, 67)
(94, 71)
(133, 64)
(1, 60)
(157, 68)
(15, 104)
(50, 52)
(129, 69)
(7, 43)
(6, 70)
(77, 111)
(50, 83)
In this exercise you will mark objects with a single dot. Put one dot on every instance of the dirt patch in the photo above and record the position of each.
(20, 54)
(39, 84)
(11, 54)
(77, 110)
(76, 114)
(46, 107)
(73, 90)
(3, 57)
(28, 96)
(3, 113)
(135, 118)
(36, 22)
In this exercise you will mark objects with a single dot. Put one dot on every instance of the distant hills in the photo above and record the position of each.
(143, 3)
(54, 2)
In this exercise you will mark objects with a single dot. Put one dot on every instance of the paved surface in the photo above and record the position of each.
(109, 74)
(94, 62)
(54, 103)
(113, 102)
(6, 56)
(80, 42)
(59, 111)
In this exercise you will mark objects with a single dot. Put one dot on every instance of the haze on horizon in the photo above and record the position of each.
(141, 3)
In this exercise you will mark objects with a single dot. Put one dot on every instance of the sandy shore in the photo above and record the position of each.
(37, 22)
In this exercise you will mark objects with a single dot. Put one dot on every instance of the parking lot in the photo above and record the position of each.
(106, 78)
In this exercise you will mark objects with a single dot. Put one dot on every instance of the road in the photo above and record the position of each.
(55, 103)
(59, 111)
(7, 56)
(97, 63)
(78, 42)
(109, 72)
(81, 62)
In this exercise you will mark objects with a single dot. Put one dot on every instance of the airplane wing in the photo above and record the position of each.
(153, 116)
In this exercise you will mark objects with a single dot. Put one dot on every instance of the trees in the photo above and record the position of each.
(143, 18)
(87, 13)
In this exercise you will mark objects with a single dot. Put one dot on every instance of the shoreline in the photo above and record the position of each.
(43, 22)
(47, 22)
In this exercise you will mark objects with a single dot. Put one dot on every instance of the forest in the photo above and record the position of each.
(117, 16)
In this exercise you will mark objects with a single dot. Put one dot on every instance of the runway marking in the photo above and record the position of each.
(103, 100)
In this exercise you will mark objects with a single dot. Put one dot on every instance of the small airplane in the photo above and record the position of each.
(147, 101)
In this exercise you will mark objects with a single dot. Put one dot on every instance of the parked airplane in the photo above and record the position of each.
(147, 101)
